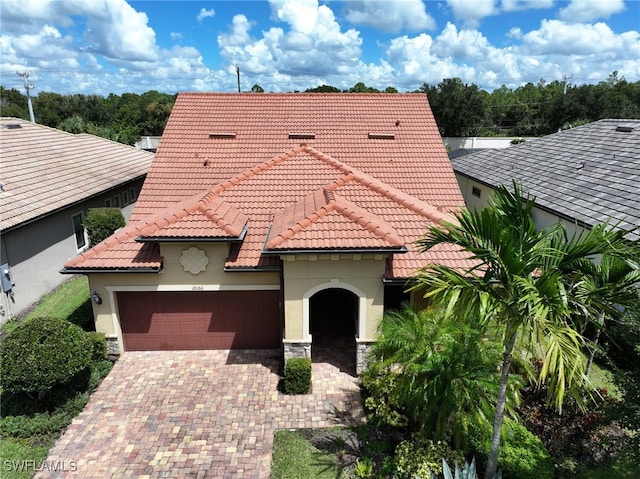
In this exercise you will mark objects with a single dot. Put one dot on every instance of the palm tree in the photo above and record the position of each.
(522, 280)
(445, 374)
(605, 291)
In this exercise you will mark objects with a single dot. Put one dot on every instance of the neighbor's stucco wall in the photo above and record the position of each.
(173, 277)
(37, 251)
(541, 217)
(303, 274)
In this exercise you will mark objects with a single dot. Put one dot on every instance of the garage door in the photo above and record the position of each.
(152, 320)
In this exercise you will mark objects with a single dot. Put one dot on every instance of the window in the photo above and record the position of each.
(116, 201)
(475, 191)
(78, 230)
(107, 203)
(132, 195)
(125, 198)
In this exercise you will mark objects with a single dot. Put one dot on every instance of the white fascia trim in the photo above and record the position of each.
(197, 287)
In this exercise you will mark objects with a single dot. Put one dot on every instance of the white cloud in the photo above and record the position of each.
(204, 13)
(74, 45)
(119, 32)
(472, 11)
(515, 5)
(590, 10)
(239, 34)
(557, 37)
(463, 44)
(390, 16)
(312, 45)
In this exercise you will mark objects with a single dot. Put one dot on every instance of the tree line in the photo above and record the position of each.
(460, 109)
(123, 118)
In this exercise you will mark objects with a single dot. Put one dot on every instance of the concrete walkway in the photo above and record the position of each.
(195, 414)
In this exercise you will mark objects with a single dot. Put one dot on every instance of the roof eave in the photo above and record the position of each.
(399, 281)
(188, 239)
(150, 269)
(251, 269)
(195, 239)
(391, 249)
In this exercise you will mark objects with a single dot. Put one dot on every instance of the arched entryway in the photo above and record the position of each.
(333, 324)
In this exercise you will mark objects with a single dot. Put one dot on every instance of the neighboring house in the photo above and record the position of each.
(49, 180)
(148, 143)
(453, 143)
(580, 177)
(275, 220)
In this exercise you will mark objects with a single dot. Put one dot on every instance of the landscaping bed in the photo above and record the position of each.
(31, 422)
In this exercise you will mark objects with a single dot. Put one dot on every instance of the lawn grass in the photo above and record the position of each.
(296, 458)
(64, 301)
(69, 301)
(19, 459)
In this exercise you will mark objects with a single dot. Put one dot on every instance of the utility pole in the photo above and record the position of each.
(238, 73)
(566, 79)
(28, 86)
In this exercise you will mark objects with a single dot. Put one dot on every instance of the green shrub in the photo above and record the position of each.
(44, 423)
(382, 401)
(522, 454)
(41, 353)
(99, 346)
(102, 222)
(420, 457)
(297, 376)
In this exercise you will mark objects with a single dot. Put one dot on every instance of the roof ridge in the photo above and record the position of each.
(364, 218)
(214, 215)
(320, 198)
(394, 194)
(255, 170)
(411, 202)
(162, 219)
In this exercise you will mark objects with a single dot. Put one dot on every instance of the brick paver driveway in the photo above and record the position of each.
(195, 414)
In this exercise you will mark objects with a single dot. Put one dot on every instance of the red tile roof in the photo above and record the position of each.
(330, 188)
(43, 169)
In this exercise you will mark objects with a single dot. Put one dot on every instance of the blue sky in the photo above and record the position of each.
(115, 46)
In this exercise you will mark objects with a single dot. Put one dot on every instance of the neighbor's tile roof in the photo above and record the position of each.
(339, 190)
(590, 173)
(43, 169)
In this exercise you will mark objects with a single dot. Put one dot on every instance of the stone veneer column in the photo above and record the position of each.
(362, 355)
(296, 349)
(113, 346)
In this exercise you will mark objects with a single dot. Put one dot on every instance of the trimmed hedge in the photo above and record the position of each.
(99, 346)
(297, 376)
(41, 353)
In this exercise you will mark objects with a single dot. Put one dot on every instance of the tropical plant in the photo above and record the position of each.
(605, 292)
(522, 455)
(444, 369)
(418, 457)
(468, 471)
(521, 279)
(363, 468)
